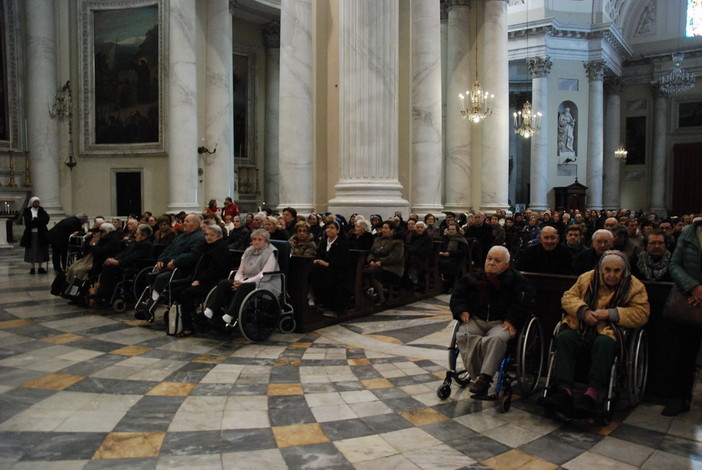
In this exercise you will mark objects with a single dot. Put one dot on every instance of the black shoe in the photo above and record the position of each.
(675, 407)
(330, 314)
(560, 402)
(32, 271)
(42, 271)
(143, 312)
(585, 407)
(481, 386)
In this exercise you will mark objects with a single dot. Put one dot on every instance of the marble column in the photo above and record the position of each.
(496, 128)
(443, 14)
(612, 140)
(595, 125)
(426, 108)
(181, 78)
(296, 145)
(539, 68)
(458, 131)
(659, 154)
(42, 85)
(368, 71)
(219, 116)
(271, 148)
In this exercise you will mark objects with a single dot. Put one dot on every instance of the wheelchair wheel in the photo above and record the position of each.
(504, 400)
(140, 282)
(462, 378)
(637, 366)
(530, 357)
(119, 305)
(287, 324)
(444, 391)
(258, 315)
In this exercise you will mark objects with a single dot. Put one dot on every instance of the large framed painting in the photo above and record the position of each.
(687, 115)
(244, 99)
(12, 119)
(122, 73)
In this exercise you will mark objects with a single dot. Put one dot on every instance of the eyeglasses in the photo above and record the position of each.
(302, 230)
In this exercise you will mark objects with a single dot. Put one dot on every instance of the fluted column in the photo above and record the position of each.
(296, 133)
(426, 107)
(443, 15)
(368, 71)
(612, 140)
(182, 107)
(495, 154)
(595, 125)
(658, 165)
(271, 150)
(458, 131)
(42, 84)
(219, 116)
(539, 68)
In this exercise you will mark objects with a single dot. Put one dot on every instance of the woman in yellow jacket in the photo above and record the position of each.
(608, 294)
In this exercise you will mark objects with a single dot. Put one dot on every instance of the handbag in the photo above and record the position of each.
(174, 320)
(678, 310)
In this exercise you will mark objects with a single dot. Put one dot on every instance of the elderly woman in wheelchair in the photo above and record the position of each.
(600, 301)
(491, 307)
(259, 259)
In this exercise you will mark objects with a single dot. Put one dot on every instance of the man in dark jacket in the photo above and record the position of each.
(58, 238)
(548, 256)
(183, 254)
(492, 306)
(602, 240)
(113, 268)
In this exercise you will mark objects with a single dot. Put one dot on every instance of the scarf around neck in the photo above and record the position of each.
(650, 269)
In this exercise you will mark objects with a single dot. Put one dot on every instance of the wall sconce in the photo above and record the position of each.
(621, 153)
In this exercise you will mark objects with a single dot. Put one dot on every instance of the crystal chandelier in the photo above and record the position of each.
(678, 80)
(479, 103)
(621, 153)
(527, 122)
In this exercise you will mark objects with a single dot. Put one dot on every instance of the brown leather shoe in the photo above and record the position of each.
(481, 386)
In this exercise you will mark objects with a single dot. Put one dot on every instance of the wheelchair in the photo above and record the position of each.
(628, 374)
(129, 288)
(75, 249)
(527, 350)
(262, 311)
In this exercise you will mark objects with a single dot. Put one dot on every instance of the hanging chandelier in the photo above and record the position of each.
(479, 103)
(526, 121)
(678, 80)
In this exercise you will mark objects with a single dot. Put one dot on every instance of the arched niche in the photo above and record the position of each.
(567, 130)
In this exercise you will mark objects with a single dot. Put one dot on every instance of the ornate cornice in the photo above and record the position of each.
(595, 70)
(539, 67)
(271, 35)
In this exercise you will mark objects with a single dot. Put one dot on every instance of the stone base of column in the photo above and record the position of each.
(301, 207)
(597, 208)
(457, 208)
(56, 213)
(538, 207)
(660, 211)
(423, 209)
(186, 207)
(490, 209)
(367, 198)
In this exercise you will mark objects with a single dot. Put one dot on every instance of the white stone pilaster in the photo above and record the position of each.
(496, 128)
(539, 67)
(426, 108)
(458, 131)
(368, 166)
(595, 124)
(612, 140)
(181, 78)
(42, 85)
(296, 133)
(219, 116)
(271, 152)
(658, 164)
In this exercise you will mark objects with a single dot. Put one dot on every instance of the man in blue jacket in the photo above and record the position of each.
(183, 254)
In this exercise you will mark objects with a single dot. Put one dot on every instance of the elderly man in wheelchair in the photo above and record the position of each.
(491, 307)
(600, 301)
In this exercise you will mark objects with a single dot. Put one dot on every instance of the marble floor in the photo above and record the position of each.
(84, 389)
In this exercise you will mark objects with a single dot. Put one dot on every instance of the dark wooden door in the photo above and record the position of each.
(687, 168)
(128, 192)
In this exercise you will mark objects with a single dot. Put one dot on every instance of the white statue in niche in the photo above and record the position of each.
(566, 133)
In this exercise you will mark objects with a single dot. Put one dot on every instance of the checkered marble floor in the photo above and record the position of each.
(83, 389)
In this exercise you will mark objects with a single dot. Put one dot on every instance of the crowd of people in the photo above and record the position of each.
(480, 258)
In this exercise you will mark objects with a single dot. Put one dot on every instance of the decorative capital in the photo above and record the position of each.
(457, 3)
(595, 70)
(232, 4)
(443, 11)
(657, 92)
(539, 67)
(271, 35)
(614, 85)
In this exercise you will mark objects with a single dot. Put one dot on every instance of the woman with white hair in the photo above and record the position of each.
(35, 240)
(608, 294)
